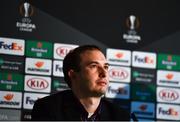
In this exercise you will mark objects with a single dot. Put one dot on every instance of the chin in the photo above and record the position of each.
(98, 93)
(102, 92)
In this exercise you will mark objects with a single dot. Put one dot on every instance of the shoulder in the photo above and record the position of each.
(46, 107)
(117, 112)
(56, 97)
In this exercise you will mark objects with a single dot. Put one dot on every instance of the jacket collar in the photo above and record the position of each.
(74, 110)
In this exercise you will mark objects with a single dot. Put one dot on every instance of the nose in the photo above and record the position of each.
(102, 72)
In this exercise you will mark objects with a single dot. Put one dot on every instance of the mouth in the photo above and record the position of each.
(102, 82)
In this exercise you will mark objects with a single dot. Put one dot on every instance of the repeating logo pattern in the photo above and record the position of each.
(145, 83)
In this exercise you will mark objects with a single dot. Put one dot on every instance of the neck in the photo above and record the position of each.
(90, 104)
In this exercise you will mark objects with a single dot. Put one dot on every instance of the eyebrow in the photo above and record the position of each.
(107, 64)
(97, 63)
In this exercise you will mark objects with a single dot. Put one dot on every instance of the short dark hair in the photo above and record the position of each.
(72, 60)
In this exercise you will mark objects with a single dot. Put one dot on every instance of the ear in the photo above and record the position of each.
(72, 74)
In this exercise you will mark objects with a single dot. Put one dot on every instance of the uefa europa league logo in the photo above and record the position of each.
(132, 22)
(132, 19)
(26, 9)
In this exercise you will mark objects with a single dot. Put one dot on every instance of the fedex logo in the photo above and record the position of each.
(11, 46)
(30, 101)
(118, 90)
(144, 59)
(30, 98)
(57, 68)
(168, 111)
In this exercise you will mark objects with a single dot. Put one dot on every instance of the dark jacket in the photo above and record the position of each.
(65, 106)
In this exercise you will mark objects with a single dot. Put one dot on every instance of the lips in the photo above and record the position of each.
(102, 82)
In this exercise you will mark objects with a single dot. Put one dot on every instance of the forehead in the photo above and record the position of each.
(90, 55)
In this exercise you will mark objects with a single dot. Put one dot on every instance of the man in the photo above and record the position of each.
(86, 72)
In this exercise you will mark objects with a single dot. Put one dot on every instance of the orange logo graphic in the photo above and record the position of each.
(169, 76)
(173, 112)
(39, 64)
(143, 107)
(119, 55)
(8, 97)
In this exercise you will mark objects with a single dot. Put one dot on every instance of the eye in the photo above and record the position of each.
(93, 66)
(106, 67)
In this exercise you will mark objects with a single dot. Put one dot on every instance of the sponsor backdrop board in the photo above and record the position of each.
(144, 73)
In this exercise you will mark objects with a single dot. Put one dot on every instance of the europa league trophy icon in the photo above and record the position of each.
(26, 9)
(132, 21)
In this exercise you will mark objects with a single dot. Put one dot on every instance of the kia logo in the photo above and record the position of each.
(62, 51)
(37, 83)
(168, 95)
(119, 74)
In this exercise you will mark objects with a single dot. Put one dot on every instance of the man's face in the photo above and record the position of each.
(92, 80)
